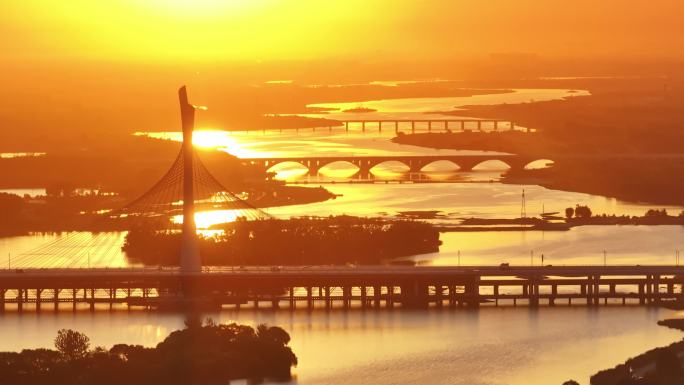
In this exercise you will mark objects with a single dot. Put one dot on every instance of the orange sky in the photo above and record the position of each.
(239, 30)
(91, 64)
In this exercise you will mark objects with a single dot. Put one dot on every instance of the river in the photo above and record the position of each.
(491, 346)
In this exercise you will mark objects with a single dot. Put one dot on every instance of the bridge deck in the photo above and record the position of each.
(363, 285)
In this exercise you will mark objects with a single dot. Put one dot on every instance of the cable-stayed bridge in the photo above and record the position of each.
(185, 189)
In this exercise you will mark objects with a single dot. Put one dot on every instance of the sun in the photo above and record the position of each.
(203, 8)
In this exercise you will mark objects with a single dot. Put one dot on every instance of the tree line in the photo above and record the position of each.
(297, 241)
(198, 354)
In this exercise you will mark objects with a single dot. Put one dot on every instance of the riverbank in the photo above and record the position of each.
(660, 366)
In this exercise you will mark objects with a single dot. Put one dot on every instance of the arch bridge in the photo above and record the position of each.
(415, 163)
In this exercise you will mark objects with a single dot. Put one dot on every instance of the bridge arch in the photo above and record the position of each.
(389, 167)
(288, 168)
(443, 165)
(493, 164)
(538, 164)
(339, 168)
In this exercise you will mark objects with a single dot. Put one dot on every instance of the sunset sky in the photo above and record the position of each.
(84, 62)
(238, 30)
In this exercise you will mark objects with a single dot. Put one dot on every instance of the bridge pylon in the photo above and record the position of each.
(190, 261)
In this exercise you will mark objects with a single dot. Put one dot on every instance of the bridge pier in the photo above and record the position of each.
(415, 295)
(533, 289)
(20, 299)
(656, 289)
(472, 292)
(328, 300)
(364, 298)
(55, 299)
(346, 297)
(39, 294)
(452, 296)
(376, 296)
(92, 299)
(439, 292)
(309, 297)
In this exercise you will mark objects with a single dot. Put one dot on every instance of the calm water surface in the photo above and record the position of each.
(492, 346)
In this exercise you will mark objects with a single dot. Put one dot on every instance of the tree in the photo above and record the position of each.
(569, 212)
(571, 382)
(71, 344)
(582, 211)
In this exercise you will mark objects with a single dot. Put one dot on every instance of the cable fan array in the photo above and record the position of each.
(162, 202)
(165, 198)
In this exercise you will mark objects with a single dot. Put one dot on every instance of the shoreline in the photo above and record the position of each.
(648, 366)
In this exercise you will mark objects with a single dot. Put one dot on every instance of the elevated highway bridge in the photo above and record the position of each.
(342, 287)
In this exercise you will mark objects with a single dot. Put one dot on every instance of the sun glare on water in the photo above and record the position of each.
(210, 139)
(205, 219)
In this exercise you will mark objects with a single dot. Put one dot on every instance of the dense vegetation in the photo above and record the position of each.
(660, 366)
(196, 355)
(298, 241)
(11, 222)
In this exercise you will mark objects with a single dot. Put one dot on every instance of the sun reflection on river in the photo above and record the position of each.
(205, 219)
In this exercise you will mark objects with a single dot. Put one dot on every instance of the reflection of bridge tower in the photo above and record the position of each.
(190, 258)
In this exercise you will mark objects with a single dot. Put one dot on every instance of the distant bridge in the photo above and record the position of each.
(415, 163)
(343, 287)
(432, 124)
(412, 125)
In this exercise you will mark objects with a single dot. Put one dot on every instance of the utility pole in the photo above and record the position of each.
(605, 258)
(523, 206)
(531, 257)
(459, 257)
(9, 260)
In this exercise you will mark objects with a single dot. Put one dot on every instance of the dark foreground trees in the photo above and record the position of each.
(209, 354)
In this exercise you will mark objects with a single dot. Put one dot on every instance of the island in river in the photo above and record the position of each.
(298, 241)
